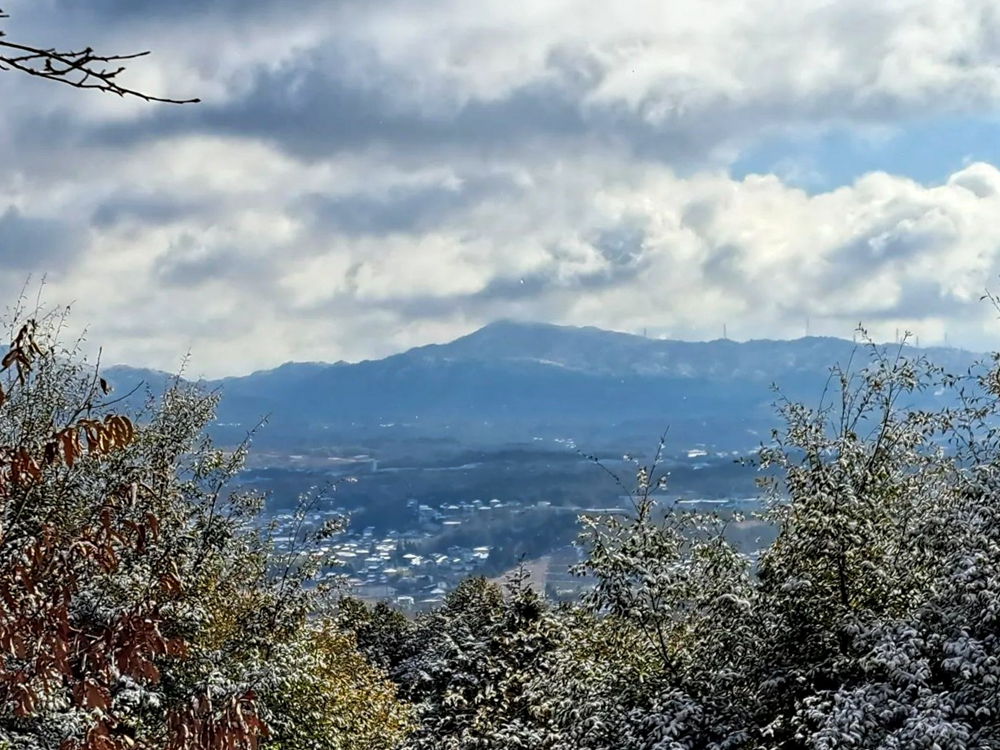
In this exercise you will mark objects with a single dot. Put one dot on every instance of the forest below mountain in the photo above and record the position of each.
(145, 602)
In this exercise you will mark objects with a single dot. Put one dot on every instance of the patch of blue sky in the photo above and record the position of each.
(927, 151)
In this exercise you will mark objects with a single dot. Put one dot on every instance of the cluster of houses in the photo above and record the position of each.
(384, 569)
(375, 569)
(412, 569)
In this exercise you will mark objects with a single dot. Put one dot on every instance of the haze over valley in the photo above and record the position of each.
(471, 455)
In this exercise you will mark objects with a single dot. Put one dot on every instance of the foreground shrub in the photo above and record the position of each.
(141, 600)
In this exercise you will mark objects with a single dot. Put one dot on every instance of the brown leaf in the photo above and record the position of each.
(128, 427)
(170, 584)
(26, 700)
(33, 469)
(93, 438)
(8, 359)
(153, 523)
(119, 430)
(70, 442)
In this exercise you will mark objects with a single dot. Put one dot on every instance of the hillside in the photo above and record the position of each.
(514, 381)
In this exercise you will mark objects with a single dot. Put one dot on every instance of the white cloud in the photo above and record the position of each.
(593, 242)
(365, 177)
(729, 68)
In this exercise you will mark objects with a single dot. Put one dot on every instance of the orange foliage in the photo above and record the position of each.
(44, 649)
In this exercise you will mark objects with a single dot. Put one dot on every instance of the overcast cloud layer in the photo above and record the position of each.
(362, 177)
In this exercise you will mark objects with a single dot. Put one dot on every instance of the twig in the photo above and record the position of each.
(82, 69)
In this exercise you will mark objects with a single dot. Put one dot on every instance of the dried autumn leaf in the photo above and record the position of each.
(119, 429)
(26, 700)
(170, 584)
(34, 469)
(71, 445)
(109, 560)
(93, 438)
(153, 523)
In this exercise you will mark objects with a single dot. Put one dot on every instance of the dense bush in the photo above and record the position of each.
(141, 602)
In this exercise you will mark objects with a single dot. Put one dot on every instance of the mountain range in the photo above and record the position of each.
(514, 381)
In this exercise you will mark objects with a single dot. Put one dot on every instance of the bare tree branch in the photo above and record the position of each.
(82, 69)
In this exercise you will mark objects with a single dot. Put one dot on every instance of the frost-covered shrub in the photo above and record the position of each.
(870, 622)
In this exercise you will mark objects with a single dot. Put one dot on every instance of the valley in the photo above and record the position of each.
(471, 457)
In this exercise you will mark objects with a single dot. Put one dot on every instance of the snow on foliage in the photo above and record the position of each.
(870, 622)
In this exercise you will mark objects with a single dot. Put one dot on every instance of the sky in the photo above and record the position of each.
(363, 176)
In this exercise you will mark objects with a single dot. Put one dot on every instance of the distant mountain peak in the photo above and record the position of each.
(510, 379)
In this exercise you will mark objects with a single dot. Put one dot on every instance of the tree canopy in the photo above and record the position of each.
(142, 601)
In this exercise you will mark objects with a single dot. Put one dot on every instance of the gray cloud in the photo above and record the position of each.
(409, 209)
(922, 300)
(307, 111)
(537, 293)
(344, 94)
(310, 108)
(621, 246)
(29, 243)
(723, 264)
(145, 208)
(177, 11)
(190, 264)
(310, 113)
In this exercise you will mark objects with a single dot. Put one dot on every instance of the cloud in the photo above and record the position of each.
(363, 177)
(404, 207)
(189, 264)
(126, 12)
(587, 243)
(143, 208)
(32, 243)
(679, 83)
